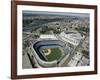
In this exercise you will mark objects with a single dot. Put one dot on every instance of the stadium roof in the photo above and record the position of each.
(45, 36)
(73, 34)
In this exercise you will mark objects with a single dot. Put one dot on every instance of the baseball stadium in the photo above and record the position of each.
(49, 52)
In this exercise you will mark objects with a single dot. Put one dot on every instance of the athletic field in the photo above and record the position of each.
(53, 54)
(50, 50)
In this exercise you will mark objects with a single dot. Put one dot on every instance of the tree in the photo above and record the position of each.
(85, 52)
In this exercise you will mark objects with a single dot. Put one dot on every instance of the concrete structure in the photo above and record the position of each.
(75, 59)
(78, 60)
(41, 58)
(71, 37)
(45, 36)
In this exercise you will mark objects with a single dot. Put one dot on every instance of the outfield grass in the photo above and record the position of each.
(54, 55)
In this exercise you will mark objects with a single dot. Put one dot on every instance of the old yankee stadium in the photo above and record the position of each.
(55, 50)
(54, 40)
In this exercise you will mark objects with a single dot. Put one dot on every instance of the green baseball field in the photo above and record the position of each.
(53, 53)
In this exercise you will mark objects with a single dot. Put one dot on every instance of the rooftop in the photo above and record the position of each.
(46, 36)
